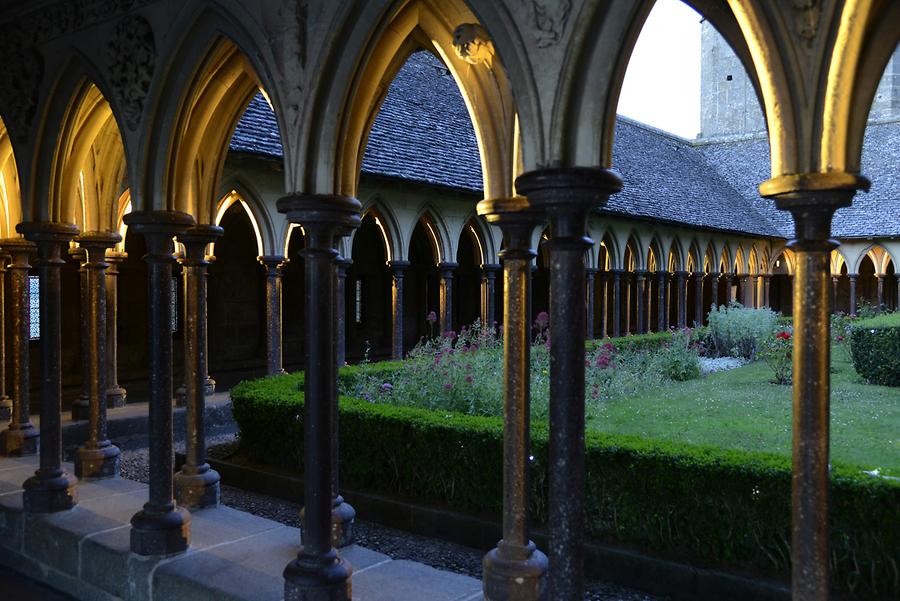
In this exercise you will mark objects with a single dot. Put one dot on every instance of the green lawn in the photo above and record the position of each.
(742, 409)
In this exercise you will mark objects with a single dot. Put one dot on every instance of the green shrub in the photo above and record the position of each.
(875, 349)
(704, 504)
(678, 360)
(737, 331)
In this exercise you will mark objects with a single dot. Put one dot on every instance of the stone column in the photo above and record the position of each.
(5, 402)
(81, 406)
(51, 488)
(196, 484)
(714, 290)
(617, 302)
(852, 295)
(489, 295)
(640, 276)
(589, 275)
(834, 292)
(446, 295)
(97, 458)
(698, 298)
(662, 317)
(515, 568)
(681, 301)
(604, 304)
(767, 281)
(897, 306)
(567, 195)
(880, 292)
(319, 572)
(20, 437)
(115, 394)
(342, 264)
(812, 211)
(210, 387)
(397, 272)
(161, 527)
(743, 280)
(273, 265)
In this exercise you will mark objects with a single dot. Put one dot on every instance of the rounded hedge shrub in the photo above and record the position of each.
(875, 349)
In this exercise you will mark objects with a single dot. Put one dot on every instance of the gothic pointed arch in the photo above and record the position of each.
(10, 196)
(437, 233)
(380, 211)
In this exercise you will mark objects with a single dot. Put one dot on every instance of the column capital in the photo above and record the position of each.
(272, 261)
(398, 266)
(343, 262)
(158, 229)
(115, 256)
(682, 274)
(195, 240)
(96, 244)
(19, 251)
(591, 271)
(50, 237)
(491, 268)
(324, 217)
(569, 188)
(516, 218)
(813, 206)
(447, 268)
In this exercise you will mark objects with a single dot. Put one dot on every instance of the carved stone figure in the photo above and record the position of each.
(132, 59)
(550, 17)
(473, 45)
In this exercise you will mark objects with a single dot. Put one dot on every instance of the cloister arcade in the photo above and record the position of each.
(114, 151)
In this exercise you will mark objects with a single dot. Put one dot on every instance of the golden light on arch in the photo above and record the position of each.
(435, 241)
(10, 195)
(477, 240)
(225, 204)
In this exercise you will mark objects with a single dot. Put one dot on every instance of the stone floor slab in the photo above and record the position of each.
(11, 479)
(403, 580)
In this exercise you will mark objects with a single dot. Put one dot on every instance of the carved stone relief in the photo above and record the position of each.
(21, 77)
(132, 59)
(550, 18)
(473, 45)
(807, 19)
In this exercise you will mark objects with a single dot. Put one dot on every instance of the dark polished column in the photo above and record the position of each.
(489, 295)
(5, 402)
(515, 569)
(319, 573)
(662, 316)
(767, 280)
(115, 394)
(97, 458)
(210, 387)
(589, 275)
(566, 196)
(20, 437)
(681, 308)
(812, 211)
(196, 484)
(445, 270)
(880, 293)
(617, 302)
(273, 265)
(743, 285)
(397, 270)
(161, 527)
(51, 488)
(342, 264)
(834, 293)
(640, 276)
(698, 297)
(81, 406)
(714, 290)
(604, 303)
(852, 277)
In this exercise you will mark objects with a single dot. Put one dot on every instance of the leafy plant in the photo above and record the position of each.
(778, 353)
(875, 348)
(738, 331)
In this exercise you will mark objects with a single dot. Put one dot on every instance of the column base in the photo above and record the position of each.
(49, 494)
(5, 408)
(318, 578)
(180, 397)
(81, 409)
(514, 573)
(20, 441)
(94, 464)
(164, 533)
(210, 387)
(199, 490)
(115, 397)
(342, 518)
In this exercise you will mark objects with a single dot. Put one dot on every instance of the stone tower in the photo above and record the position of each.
(728, 103)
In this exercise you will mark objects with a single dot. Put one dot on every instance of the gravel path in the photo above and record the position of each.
(394, 543)
(709, 365)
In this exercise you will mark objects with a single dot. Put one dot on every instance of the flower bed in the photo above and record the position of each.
(714, 506)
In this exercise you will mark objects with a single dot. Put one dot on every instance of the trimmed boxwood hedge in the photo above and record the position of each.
(875, 349)
(711, 505)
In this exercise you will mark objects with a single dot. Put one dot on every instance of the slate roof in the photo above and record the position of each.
(423, 133)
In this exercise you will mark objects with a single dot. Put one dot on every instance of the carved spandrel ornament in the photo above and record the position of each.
(550, 18)
(807, 19)
(473, 45)
(132, 60)
(21, 81)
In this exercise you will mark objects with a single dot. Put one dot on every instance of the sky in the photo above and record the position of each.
(662, 83)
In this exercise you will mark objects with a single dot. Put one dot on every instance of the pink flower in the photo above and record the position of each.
(783, 336)
(542, 320)
(432, 317)
(469, 379)
(449, 334)
(840, 338)
(448, 385)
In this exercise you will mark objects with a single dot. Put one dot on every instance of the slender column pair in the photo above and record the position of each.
(97, 457)
(196, 484)
(446, 270)
(161, 527)
(698, 298)
(489, 294)
(515, 569)
(51, 488)
(604, 304)
(852, 277)
(115, 393)
(343, 515)
(273, 265)
(342, 264)
(398, 269)
(767, 280)
(81, 406)
(714, 290)
(617, 302)
(640, 277)
(662, 316)
(681, 298)
(319, 572)
(880, 278)
(812, 211)
(20, 437)
(5, 402)
(589, 275)
(567, 196)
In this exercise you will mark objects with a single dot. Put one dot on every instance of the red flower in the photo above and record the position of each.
(783, 336)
